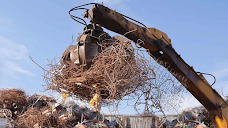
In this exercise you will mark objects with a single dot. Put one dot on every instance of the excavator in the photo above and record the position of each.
(156, 42)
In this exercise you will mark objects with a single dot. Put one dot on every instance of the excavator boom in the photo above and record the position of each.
(159, 45)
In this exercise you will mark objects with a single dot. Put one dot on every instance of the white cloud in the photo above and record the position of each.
(15, 68)
(10, 55)
(9, 49)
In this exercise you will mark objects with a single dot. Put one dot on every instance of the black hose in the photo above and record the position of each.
(209, 75)
(75, 18)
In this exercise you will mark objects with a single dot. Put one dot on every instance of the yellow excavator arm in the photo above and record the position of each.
(159, 45)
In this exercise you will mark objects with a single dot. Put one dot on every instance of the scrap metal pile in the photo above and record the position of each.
(119, 71)
(13, 99)
(190, 117)
(42, 111)
(106, 70)
(39, 111)
(116, 71)
(22, 112)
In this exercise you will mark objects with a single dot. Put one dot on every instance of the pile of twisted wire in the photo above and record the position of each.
(119, 71)
(14, 100)
(116, 71)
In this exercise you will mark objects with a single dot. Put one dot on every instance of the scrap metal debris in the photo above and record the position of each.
(116, 72)
(197, 117)
(13, 99)
(46, 112)
(120, 70)
(105, 70)
(190, 118)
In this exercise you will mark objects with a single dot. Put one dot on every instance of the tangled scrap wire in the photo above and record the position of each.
(116, 71)
(24, 111)
(120, 72)
(34, 117)
(14, 100)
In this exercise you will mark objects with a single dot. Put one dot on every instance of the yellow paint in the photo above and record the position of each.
(220, 122)
(95, 86)
(64, 96)
(94, 100)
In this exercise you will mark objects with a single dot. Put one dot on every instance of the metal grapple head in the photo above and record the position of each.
(86, 48)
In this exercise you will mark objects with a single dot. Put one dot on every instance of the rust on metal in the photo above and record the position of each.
(156, 41)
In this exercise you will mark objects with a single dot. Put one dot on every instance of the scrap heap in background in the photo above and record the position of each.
(13, 99)
(40, 111)
(23, 111)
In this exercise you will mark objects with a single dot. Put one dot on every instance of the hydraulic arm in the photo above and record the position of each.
(159, 45)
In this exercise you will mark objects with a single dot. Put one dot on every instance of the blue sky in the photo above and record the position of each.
(43, 29)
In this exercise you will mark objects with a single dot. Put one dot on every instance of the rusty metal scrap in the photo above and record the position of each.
(116, 71)
(121, 71)
(14, 100)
